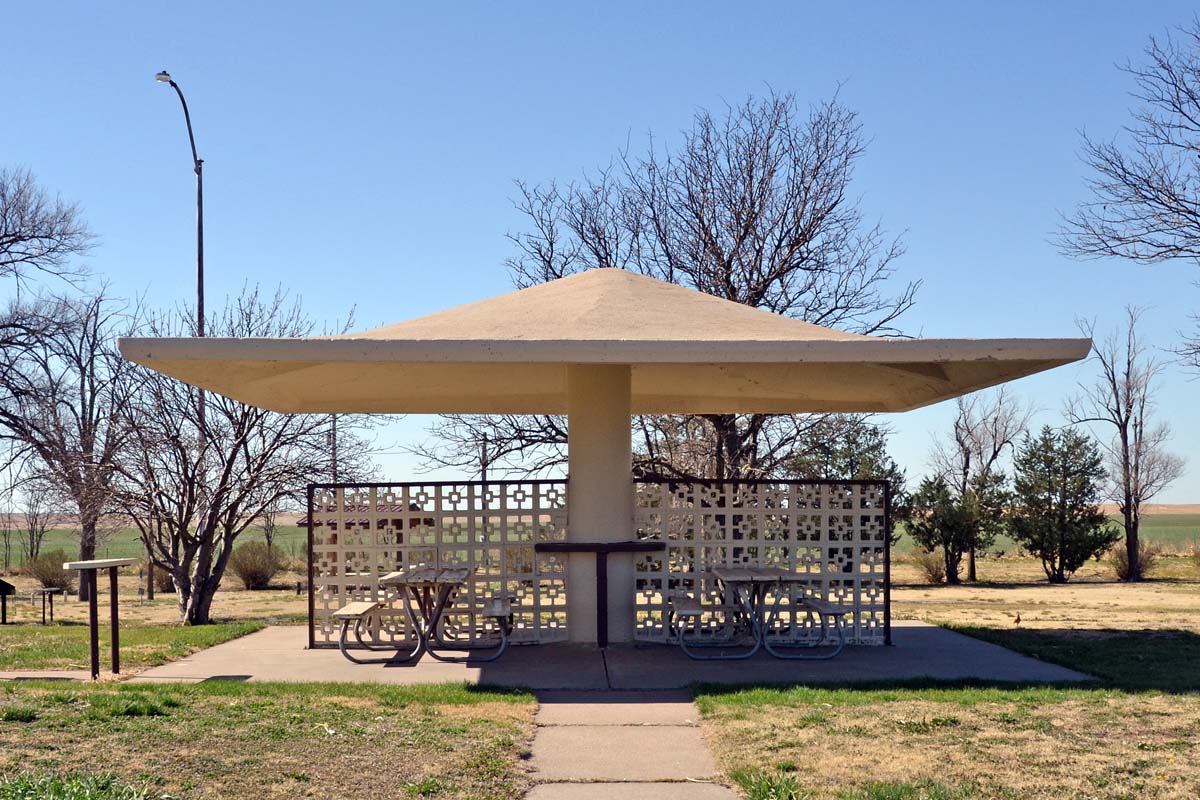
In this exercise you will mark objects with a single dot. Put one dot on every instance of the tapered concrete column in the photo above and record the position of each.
(600, 496)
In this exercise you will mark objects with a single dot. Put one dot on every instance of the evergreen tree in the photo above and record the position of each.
(941, 521)
(1055, 514)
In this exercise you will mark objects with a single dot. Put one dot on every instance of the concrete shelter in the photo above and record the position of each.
(599, 346)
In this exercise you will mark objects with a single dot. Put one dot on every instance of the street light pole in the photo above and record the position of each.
(198, 167)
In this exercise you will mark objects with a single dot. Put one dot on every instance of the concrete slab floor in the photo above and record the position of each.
(921, 651)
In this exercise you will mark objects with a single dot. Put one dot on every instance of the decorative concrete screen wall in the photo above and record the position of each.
(360, 532)
(832, 532)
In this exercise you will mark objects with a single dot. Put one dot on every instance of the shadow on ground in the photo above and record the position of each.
(1162, 660)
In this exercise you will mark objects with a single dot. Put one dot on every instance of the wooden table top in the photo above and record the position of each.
(100, 563)
(426, 575)
(758, 575)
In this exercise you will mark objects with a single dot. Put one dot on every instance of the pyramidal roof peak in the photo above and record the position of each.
(606, 305)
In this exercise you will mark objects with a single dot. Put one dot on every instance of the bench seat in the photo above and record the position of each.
(356, 610)
(824, 607)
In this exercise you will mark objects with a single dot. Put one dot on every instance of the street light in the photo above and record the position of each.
(198, 167)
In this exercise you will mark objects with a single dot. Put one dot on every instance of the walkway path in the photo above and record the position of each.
(632, 745)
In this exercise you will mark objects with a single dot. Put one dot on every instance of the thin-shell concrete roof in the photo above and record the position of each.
(688, 352)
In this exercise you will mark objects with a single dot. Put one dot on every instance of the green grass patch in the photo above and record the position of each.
(712, 699)
(763, 785)
(103, 786)
(65, 645)
(905, 790)
(1132, 660)
(234, 739)
(760, 785)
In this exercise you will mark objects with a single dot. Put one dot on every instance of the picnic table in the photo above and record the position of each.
(6, 589)
(747, 589)
(45, 592)
(426, 592)
(87, 573)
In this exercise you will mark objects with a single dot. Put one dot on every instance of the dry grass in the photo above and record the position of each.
(232, 603)
(260, 741)
(1092, 601)
(908, 741)
(972, 743)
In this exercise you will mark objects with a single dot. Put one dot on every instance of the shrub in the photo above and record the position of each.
(256, 564)
(760, 785)
(1196, 558)
(931, 564)
(48, 570)
(1148, 556)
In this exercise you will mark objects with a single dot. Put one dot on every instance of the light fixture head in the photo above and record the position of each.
(163, 77)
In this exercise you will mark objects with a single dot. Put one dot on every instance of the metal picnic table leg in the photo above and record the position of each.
(93, 621)
(115, 633)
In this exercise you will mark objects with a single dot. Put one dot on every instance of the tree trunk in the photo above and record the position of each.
(87, 549)
(952, 567)
(971, 564)
(1132, 551)
(206, 579)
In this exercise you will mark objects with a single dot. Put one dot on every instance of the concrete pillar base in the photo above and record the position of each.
(600, 496)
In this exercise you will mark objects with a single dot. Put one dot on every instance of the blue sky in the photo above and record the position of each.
(363, 157)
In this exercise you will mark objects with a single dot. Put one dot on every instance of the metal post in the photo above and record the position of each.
(149, 573)
(89, 576)
(887, 562)
(312, 605)
(601, 598)
(115, 636)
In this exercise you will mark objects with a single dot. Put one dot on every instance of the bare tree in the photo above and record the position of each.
(986, 426)
(63, 398)
(192, 487)
(269, 522)
(753, 207)
(7, 516)
(1122, 396)
(39, 507)
(37, 233)
(1145, 190)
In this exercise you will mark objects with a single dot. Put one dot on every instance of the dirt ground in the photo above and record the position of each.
(1015, 587)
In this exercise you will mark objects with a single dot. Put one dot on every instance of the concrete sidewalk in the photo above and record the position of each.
(627, 745)
(920, 651)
